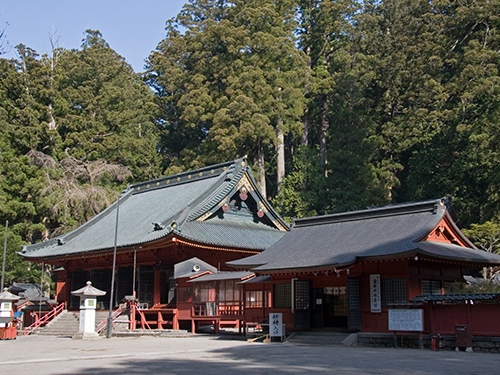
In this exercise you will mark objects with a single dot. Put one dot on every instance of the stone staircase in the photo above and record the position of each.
(66, 324)
(323, 338)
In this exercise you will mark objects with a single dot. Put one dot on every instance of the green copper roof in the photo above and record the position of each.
(187, 205)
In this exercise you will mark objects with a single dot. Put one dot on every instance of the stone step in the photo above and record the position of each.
(322, 338)
(65, 324)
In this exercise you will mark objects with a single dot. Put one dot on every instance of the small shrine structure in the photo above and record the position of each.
(8, 328)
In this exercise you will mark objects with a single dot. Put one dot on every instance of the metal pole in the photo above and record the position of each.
(133, 277)
(41, 294)
(111, 295)
(4, 253)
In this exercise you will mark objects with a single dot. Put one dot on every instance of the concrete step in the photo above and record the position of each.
(322, 338)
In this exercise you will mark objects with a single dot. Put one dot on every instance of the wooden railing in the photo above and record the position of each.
(100, 327)
(41, 321)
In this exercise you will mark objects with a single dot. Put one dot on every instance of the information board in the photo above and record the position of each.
(406, 320)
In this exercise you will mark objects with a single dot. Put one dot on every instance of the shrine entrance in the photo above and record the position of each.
(335, 310)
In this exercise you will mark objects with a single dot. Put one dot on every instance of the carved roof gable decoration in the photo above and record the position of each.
(218, 206)
(245, 196)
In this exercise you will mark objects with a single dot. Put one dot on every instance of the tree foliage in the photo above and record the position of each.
(339, 105)
(75, 126)
(229, 84)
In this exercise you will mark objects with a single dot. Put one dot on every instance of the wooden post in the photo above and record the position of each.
(175, 320)
(132, 314)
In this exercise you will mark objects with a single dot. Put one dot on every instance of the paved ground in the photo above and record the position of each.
(210, 355)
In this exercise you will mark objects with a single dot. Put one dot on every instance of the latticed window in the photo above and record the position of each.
(393, 291)
(301, 291)
(229, 291)
(431, 287)
(282, 296)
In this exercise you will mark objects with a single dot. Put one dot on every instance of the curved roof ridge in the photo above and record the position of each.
(183, 177)
(222, 191)
(434, 205)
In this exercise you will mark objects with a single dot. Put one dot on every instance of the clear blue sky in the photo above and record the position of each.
(133, 28)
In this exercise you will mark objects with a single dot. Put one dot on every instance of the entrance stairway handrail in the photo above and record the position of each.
(100, 327)
(45, 319)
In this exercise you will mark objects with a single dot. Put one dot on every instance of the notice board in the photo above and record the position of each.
(406, 320)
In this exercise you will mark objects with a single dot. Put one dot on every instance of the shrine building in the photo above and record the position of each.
(349, 270)
(216, 214)
(205, 247)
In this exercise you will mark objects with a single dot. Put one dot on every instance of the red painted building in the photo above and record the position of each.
(178, 237)
(347, 270)
(214, 213)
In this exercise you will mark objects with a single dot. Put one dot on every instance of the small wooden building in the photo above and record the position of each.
(348, 270)
(216, 214)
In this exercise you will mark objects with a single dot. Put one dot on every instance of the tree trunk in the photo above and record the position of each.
(280, 155)
(322, 137)
(261, 169)
(305, 134)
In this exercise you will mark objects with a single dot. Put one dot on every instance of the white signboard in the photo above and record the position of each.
(375, 299)
(406, 320)
(276, 324)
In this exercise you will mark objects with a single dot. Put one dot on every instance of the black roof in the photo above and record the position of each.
(340, 240)
(456, 297)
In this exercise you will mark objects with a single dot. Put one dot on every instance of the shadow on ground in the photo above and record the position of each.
(280, 359)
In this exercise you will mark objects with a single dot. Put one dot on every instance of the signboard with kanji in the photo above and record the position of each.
(276, 325)
(375, 299)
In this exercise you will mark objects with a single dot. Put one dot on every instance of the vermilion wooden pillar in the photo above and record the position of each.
(62, 287)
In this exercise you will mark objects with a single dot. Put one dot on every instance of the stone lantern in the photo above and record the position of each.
(6, 300)
(7, 330)
(88, 302)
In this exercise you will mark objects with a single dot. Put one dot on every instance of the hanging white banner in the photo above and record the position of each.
(375, 297)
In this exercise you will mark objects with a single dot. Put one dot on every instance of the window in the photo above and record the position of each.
(282, 296)
(431, 287)
(229, 291)
(255, 298)
(204, 292)
(393, 291)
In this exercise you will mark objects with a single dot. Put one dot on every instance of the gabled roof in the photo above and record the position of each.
(340, 240)
(219, 276)
(192, 268)
(200, 205)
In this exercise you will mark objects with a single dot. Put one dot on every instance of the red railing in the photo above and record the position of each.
(44, 320)
(100, 327)
(143, 319)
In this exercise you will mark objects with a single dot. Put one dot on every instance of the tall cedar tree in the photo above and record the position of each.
(231, 83)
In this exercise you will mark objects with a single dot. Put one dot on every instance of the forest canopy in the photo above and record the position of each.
(339, 105)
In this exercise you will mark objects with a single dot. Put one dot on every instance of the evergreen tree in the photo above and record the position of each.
(230, 84)
(107, 113)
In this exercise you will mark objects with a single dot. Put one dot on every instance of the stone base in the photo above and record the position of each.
(86, 336)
